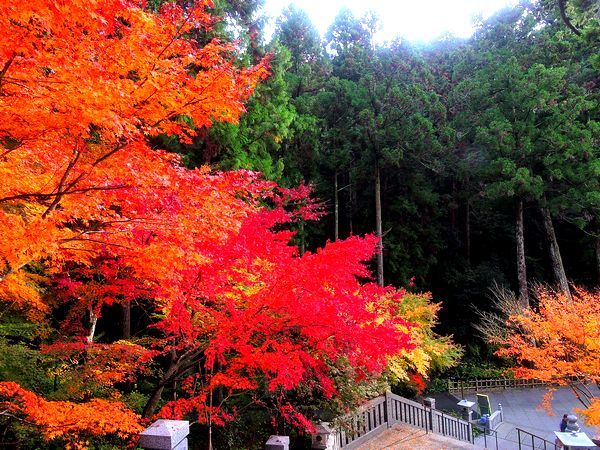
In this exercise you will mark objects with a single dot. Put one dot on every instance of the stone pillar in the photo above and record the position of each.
(278, 443)
(429, 402)
(165, 435)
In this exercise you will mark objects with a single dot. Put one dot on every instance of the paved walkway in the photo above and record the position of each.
(522, 409)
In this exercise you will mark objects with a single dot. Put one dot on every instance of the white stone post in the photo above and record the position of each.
(165, 435)
(278, 443)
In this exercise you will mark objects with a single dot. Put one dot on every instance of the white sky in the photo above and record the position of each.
(416, 20)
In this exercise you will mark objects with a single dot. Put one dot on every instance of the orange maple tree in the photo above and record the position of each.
(82, 85)
(75, 423)
(559, 343)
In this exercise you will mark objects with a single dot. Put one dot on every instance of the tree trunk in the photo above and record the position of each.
(521, 266)
(598, 256)
(126, 319)
(336, 207)
(169, 376)
(153, 401)
(302, 246)
(468, 231)
(156, 396)
(557, 265)
(210, 444)
(93, 322)
(378, 225)
(453, 211)
(350, 206)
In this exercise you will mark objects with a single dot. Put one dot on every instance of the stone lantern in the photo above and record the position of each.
(466, 409)
(324, 437)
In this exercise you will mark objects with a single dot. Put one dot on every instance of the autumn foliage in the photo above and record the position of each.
(559, 343)
(74, 422)
(91, 218)
(82, 85)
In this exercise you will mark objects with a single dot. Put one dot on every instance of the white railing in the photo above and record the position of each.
(496, 418)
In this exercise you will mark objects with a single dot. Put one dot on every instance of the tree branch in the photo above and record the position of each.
(6, 67)
(74, 191)
(61, 183)
(562, 6)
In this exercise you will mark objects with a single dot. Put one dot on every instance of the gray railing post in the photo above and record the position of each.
(388, 410)
(429, 405)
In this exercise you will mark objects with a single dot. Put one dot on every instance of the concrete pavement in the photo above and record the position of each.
(522, 409)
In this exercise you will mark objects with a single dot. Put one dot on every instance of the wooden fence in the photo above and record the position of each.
(460, 387)
(383, 412)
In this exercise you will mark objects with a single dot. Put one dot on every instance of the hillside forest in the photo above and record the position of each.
(252, 226)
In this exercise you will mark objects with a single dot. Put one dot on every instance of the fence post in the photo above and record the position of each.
(443, 426)
(431, 418)
(389, 413)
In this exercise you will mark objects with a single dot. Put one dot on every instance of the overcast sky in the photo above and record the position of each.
(416, 20)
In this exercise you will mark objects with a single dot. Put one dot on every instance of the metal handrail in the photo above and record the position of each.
(485, 432)
(547, 444)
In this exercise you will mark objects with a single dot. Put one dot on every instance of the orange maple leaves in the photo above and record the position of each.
(73, 422)
(82, 84)
(559, 342)
(82, 195)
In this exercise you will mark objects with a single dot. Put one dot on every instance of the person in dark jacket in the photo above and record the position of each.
(563, 423)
